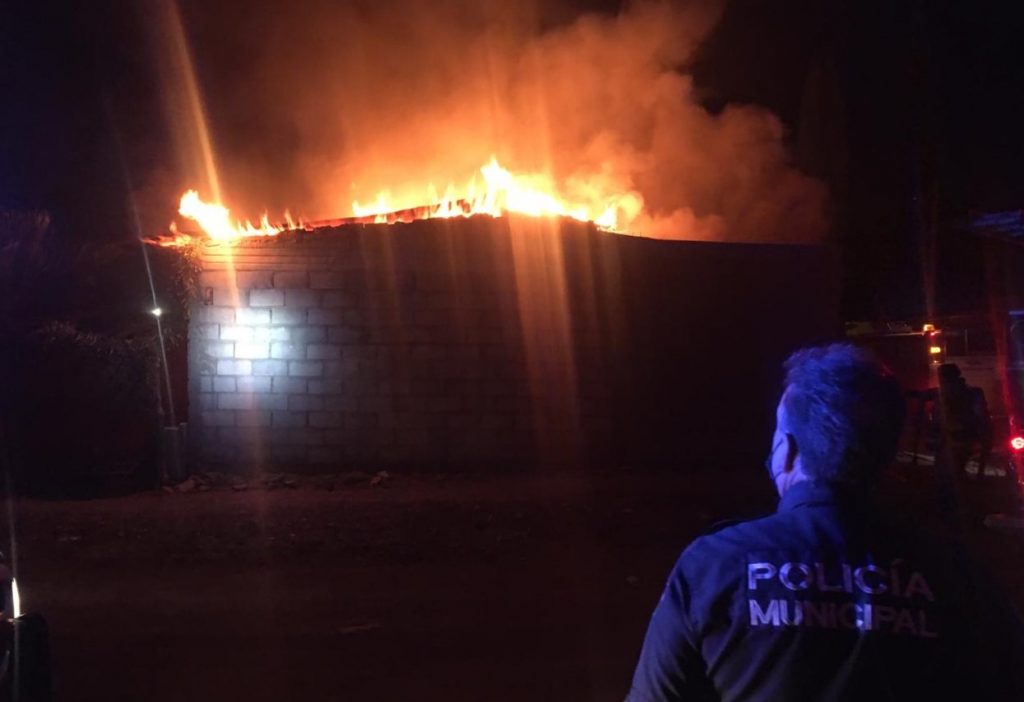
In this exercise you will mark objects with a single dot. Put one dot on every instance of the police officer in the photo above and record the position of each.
(829, 598)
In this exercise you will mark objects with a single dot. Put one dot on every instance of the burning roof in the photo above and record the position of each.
(495, 192)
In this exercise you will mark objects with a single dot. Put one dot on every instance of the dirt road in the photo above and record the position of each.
(510, 588)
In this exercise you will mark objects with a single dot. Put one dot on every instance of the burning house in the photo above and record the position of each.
(510, 317)
(483, 341)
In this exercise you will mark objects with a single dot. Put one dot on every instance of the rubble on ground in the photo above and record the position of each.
(206, 481)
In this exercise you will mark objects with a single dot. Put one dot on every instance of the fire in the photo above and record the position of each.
(215, 221)
(495, 191)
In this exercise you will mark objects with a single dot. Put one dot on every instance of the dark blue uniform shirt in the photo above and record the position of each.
(828, 600)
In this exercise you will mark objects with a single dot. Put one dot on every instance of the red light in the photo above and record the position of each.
(1017, 443)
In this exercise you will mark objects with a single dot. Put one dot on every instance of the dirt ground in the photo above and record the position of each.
(528, 587)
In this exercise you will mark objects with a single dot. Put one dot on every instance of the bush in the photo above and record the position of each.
(81, 413)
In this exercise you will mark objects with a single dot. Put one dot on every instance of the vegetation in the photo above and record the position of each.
(82, 398)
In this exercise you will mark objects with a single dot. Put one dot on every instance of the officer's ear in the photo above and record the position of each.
(792, 451)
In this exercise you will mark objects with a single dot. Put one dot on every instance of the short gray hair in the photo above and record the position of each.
(846, 411)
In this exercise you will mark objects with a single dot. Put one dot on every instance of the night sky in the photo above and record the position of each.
(911, 112)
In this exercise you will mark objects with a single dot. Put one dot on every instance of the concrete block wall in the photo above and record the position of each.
(326, 349)
(472, 343)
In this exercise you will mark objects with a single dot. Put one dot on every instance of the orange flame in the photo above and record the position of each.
(503, 192)
(495, 192)
(215, 221)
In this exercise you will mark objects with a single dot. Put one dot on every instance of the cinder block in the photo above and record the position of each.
(291, 279)
(216, 315)
(266, 401)
(253, 279)
(343, 369)
(336, 439)
(236, 401)
(207, 401)
(305, 403)
(386, 334)
(289, 419)
(225, 384)
(218, 349)
(324, 316)
(291, 385)
(233, 367)
(207, 331)
(236, 333)
(266, 298)
(218, 418)
(201, 366)
(362, 352)
(249, 316)
(206, 384)
(271, 334)
(228, 297)
(396, 387)
(347, 335)
(362, 420)
(301, 435)
(325, 420)
(306, 369)
(252, 350)
(252, 418)
(307, 335)
(413, 403)
(370, 369)
(324, 387)
(323, 352)
(300, 298)
(270, 368)
(288, 351)
(344, 299)
(316, 437)
(374, 403)
(340, 403)
(252, 384)
(327, 280)
(287, 316)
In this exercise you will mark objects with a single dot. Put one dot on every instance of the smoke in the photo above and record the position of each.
(377, 97)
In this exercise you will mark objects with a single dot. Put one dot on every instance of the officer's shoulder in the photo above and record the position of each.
(722, 534)
(721, 525)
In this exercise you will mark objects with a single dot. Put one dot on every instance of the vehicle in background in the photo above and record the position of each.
(990, 360)
(912, 353)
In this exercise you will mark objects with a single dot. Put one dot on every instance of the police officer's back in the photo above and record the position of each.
(829, 598)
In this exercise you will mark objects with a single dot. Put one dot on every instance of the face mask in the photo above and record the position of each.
(768, 462)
